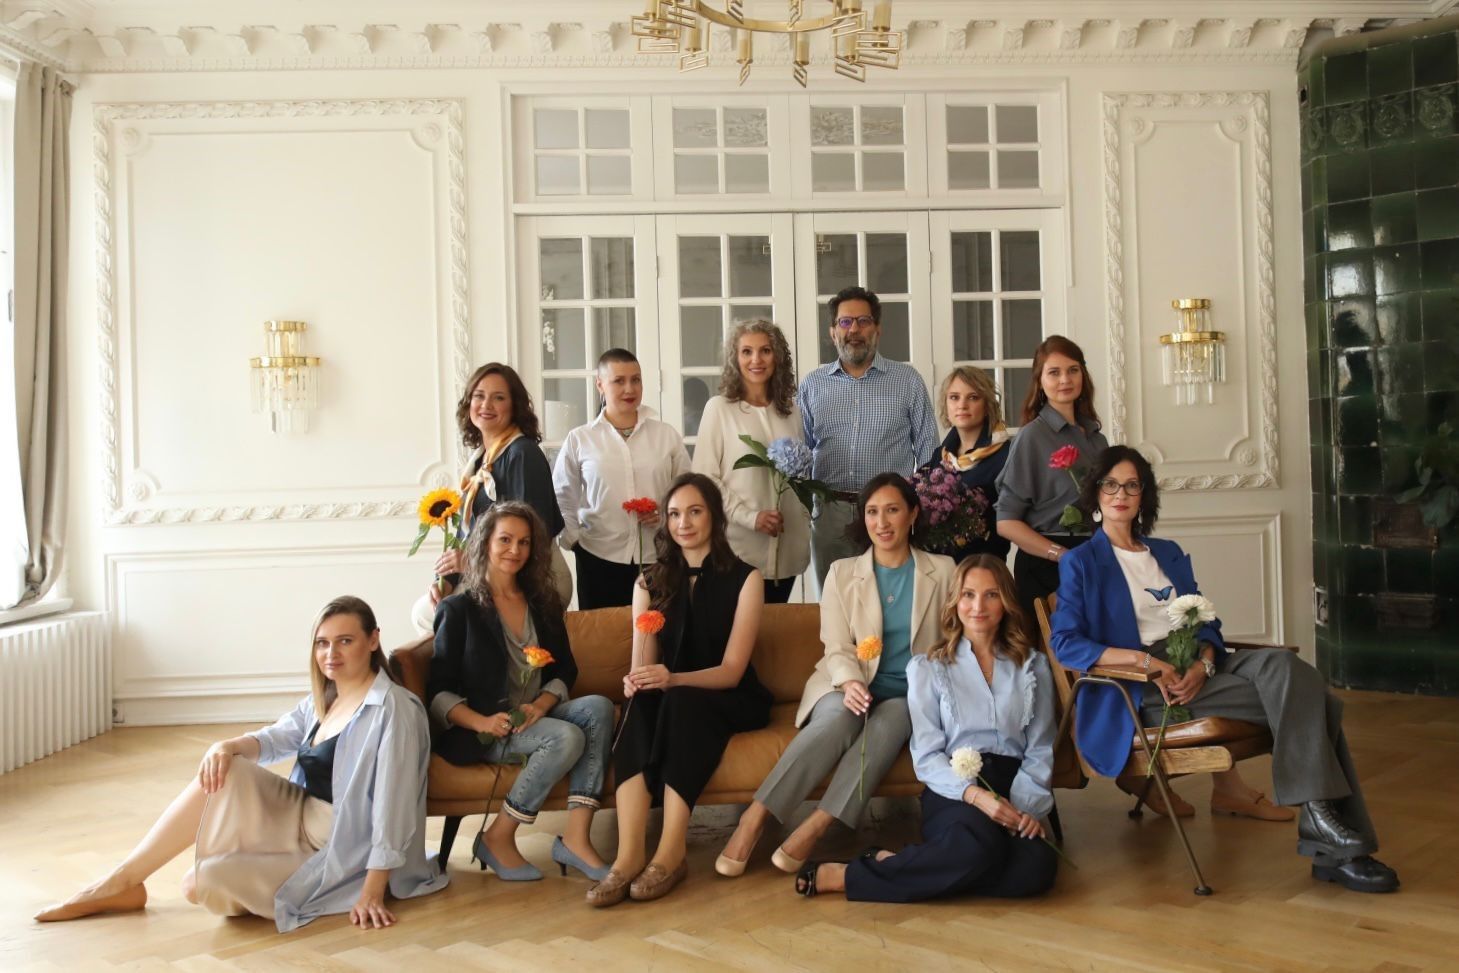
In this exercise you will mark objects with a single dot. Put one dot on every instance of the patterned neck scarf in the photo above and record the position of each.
(473, 483)
(954, 463)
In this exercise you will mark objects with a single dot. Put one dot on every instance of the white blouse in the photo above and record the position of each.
(749, 491)
(1150, 592)
(598, 469)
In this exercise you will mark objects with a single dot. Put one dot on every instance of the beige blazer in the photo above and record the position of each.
(851, 610)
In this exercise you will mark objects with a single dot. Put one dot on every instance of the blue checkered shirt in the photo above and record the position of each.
(859, 427)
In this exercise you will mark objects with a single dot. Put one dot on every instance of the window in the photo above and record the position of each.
(858, 148)
(14, 547)
(722, 149)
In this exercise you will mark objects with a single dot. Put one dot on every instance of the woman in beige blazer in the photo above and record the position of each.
(853, 714)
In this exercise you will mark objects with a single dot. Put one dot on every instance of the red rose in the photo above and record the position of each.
(1064, 458)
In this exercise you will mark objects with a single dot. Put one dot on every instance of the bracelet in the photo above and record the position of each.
(1145, 665)
(1054, 553)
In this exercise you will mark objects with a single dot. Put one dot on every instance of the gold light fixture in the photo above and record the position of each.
(858, 39)
(285, 381)
(1193, 357)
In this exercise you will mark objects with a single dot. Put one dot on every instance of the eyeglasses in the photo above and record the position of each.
(846, 324)
(1111, 487)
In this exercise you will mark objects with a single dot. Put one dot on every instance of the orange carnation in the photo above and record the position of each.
(650, 622)
(868, 648)
(537, 657)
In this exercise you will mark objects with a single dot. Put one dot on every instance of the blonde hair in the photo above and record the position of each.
(1012, 640)
(781, 391)
(980, 382)
(321, 687)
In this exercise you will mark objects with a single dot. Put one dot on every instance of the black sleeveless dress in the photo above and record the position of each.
(675, 738)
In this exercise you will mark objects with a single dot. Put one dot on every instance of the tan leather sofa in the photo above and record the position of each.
(786, 650)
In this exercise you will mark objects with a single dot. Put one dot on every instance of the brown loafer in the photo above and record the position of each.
(127, 900)
(1261, 809)
(1134, 785)
(612, 890)
(655, 881)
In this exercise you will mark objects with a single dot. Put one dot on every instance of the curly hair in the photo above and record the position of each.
(1013, 641)
(857, 531)
(669, 573)
(523, 417)
(782, 384)
(535, 578)
(1088, 500)
(980, 382)
(1034, 402)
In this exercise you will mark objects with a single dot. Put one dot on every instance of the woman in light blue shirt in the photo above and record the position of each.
(345, 828)
(987, 690)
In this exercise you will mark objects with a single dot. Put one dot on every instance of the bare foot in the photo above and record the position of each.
(831, 877)
(111, 894)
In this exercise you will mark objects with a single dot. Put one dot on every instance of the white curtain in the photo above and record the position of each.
(42, 196)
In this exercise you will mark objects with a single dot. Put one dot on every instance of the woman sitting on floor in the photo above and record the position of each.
(988, 689)
(482, 673)
(690, 689)
(1113, 592)
(348, 824)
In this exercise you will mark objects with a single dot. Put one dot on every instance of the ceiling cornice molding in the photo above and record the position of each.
(337, 35)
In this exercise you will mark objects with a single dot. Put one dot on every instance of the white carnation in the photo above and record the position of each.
(967, 763)
(1190, 610)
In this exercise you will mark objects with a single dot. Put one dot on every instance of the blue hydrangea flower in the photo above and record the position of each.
(791, 457)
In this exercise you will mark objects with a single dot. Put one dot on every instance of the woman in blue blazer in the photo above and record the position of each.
(1113, 592)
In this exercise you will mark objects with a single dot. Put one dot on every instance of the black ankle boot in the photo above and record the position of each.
(1320, 824)
(1362, 874)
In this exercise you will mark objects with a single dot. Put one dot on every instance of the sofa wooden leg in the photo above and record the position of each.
(448, 838)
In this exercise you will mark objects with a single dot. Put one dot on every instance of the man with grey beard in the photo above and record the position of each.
(863, 415)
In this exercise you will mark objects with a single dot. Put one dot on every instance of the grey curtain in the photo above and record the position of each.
(42, 198)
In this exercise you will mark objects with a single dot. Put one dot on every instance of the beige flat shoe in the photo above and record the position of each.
(655, 881)
(127, 900)
(611, 891)
(1260, 809)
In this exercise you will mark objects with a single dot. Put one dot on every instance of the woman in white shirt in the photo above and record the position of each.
(757, 399)
(624, 454)
(346, 827)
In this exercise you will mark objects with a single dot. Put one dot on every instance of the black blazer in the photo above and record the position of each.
(470, 657)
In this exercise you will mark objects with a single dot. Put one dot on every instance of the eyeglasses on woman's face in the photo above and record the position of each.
(1110, 487)
(847, 323)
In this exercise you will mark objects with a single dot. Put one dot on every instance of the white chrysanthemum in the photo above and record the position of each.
(967, 763)
(1190, 610)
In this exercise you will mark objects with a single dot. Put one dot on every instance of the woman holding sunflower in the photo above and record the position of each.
(499, 684)
(878, 611)
(497, 423)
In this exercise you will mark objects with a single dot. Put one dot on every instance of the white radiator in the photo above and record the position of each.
(55, 685)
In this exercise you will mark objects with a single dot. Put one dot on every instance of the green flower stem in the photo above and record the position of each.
(1057, 850)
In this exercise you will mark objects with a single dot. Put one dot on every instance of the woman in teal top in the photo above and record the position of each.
(888, 597)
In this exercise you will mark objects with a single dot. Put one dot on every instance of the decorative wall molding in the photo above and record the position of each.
(1262, 530)
(132, 509)
(1255, 115)
(122, 37)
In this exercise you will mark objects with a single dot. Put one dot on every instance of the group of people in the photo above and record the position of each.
(957, 672)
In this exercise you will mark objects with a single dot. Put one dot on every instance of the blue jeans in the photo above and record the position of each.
(573, 739)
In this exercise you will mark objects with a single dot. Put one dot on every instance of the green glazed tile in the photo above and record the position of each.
(1315, 429)
(1355, 520)
(1439, 408)
(1396, 269)
(1390, 69)
(1440, 264)
(1357, 421)
(1401, 419)
(1321, 458)
(1347, 178)
(1316, 78)
(1441, 316)
(1349, 225)
(1314, 317)
(1313, 127)
(1398, 468)
(1319, 182)
(1353, 322)
(1325, 409)
(1309, 241)
(1394, 219)
(1441, 367)
(1347, 127)
(1359, 470)
(1399, 319)
(1319, 227)
(1350, 274)
(1346, 78)
(1354, 373)
(1362, 571)
(1435, 60)
(1410, 570)
(1438, 213)
(1392, 169)
(1446, 572)
(1436, 162)
(1400, 368)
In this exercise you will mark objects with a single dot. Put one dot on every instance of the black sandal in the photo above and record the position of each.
(805, 879)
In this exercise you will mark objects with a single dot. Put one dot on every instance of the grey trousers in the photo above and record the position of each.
(829, 543)
(1310, 758)
(832, 738)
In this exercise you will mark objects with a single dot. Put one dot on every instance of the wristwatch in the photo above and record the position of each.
(1210, 667)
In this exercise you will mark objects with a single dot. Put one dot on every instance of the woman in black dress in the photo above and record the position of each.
(975, 450)
(691, 686)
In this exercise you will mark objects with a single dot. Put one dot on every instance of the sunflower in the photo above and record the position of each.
(437, 507)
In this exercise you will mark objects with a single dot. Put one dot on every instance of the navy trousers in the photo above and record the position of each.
(963, 852)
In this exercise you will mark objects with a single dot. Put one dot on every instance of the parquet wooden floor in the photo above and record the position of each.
(1129, 905)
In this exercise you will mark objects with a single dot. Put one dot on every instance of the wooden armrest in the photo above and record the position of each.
(1126, 673)
(1234, 646)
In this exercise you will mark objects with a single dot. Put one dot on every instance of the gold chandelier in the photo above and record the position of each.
(858, 39)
